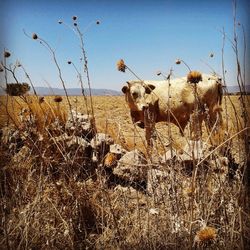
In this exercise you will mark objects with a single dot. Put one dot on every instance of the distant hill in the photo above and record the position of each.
(75, 91)
(43, 91)
(235, 89)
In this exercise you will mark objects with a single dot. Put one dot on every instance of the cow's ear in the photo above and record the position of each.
(124, 89)
(149, 88)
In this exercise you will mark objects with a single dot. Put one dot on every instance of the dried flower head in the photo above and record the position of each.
(178, 61)
(110, 159)
(41, 99)
(69, 62)
(58, 99)
(34, 36)
(97, 22)
(205, 235)
(74, 17)
(60, 21)
(194, 77)
(1, 68)
(158, 73)
(121, 66)
(6, 54)
(211, 55)
(18, 64)
(75, 24)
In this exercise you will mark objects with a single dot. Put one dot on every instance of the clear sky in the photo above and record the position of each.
(149, 35)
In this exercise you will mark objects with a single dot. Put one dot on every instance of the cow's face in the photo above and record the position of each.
(137, 95)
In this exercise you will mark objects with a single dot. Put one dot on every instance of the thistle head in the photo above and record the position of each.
(121, 65)
(158, 73)
(110, 159)
(194, 77)
(6, 54)
(205, 235)
(41, 99)
(34, 36)
(178, 61)
(58, 99)
(18, 64)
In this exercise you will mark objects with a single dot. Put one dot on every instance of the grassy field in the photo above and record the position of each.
(112, 117)
(55, 195)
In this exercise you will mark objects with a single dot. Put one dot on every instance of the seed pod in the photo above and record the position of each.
(58, 99)
(34, 36)
(178, 61)
(7, 54)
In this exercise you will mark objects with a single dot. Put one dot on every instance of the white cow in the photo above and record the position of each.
(173, 101)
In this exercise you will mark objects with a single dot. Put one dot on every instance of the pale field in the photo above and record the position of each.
(112, 117)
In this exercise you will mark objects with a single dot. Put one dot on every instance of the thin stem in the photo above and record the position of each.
(86, 68)
(82, 88)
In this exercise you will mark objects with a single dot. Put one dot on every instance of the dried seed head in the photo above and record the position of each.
(97, 22)
(7, 54)
(121, 66)
(1, 69)
(207, 234)
(158, 73)
(41, 99)
(194, 77)
(178, 61)
(18, 64)
(34, 36)
(211, 55)
(69, 62)
(60, 21)
(74, 17)
(75, 24)
(110, 159)
(58, 99)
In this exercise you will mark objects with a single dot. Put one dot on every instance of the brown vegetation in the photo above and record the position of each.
(56, 195)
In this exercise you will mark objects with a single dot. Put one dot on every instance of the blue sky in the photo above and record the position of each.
(149, 35)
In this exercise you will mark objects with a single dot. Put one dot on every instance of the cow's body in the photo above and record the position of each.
(173, 101)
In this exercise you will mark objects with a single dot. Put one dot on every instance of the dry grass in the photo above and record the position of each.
(55, 196)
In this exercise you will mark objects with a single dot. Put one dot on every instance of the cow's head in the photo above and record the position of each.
(213, 78)
(136, 93)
